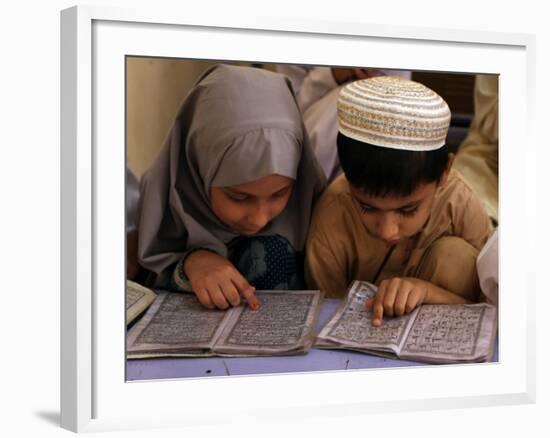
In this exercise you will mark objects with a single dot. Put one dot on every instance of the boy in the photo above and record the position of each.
(399, 216)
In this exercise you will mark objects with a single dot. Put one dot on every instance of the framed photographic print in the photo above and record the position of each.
(124, 76)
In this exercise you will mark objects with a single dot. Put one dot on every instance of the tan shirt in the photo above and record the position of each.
(340, 250)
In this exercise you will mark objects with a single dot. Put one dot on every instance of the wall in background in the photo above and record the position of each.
(155, 89)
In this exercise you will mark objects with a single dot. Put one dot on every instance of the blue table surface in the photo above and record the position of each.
(314, 360)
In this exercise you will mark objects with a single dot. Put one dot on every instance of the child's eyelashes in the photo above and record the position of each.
(410, 211)
(243, 197)
(281, 193)
(237, 197)
(367, 209)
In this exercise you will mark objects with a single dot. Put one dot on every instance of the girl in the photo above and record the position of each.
(226, 206)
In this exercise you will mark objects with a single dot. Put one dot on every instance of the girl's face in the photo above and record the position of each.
(248, 208)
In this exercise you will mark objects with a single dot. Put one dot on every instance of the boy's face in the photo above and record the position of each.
(394, 218)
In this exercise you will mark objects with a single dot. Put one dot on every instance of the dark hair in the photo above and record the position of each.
(381, 171)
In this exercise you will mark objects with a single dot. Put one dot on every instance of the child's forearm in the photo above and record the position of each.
(438, 295)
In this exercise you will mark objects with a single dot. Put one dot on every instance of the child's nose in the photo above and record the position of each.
(259, 216)
(388, 227)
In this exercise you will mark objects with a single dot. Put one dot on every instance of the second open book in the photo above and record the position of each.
(430, 333)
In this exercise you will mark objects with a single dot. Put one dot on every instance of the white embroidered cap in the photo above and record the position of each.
(393, 112)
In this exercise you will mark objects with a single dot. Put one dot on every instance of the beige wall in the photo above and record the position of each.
(155, 90)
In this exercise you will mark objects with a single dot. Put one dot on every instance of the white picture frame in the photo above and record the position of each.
(94, 395)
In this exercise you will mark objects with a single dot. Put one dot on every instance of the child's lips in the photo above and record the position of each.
(250, 231)
(392, 241)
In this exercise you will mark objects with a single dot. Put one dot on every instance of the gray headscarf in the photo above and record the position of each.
(237, 124)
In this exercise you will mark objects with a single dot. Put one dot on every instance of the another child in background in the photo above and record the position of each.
(399, 217)
(226, 207)
(477, 156)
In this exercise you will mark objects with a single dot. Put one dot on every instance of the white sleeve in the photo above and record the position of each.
(296, 74)
(317, 83)
(487, 269)
(321, 122)
(405, 74)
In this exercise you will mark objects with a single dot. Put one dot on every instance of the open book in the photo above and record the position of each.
(178, 325)
(138, 298)
(432, 333)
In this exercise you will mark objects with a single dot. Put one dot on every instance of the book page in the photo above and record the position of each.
(351, 326)
(138, 298)
(452, 333)
(175, 323)
(284, 323)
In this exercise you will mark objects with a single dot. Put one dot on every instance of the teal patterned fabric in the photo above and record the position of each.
(267, 262)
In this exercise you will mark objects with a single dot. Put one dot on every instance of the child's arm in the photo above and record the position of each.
(216, 282)
(475, 226)
(324, 270)
(400, 295)
(327, 256)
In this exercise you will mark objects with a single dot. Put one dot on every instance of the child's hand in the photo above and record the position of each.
(216, 282)
(397, 296)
